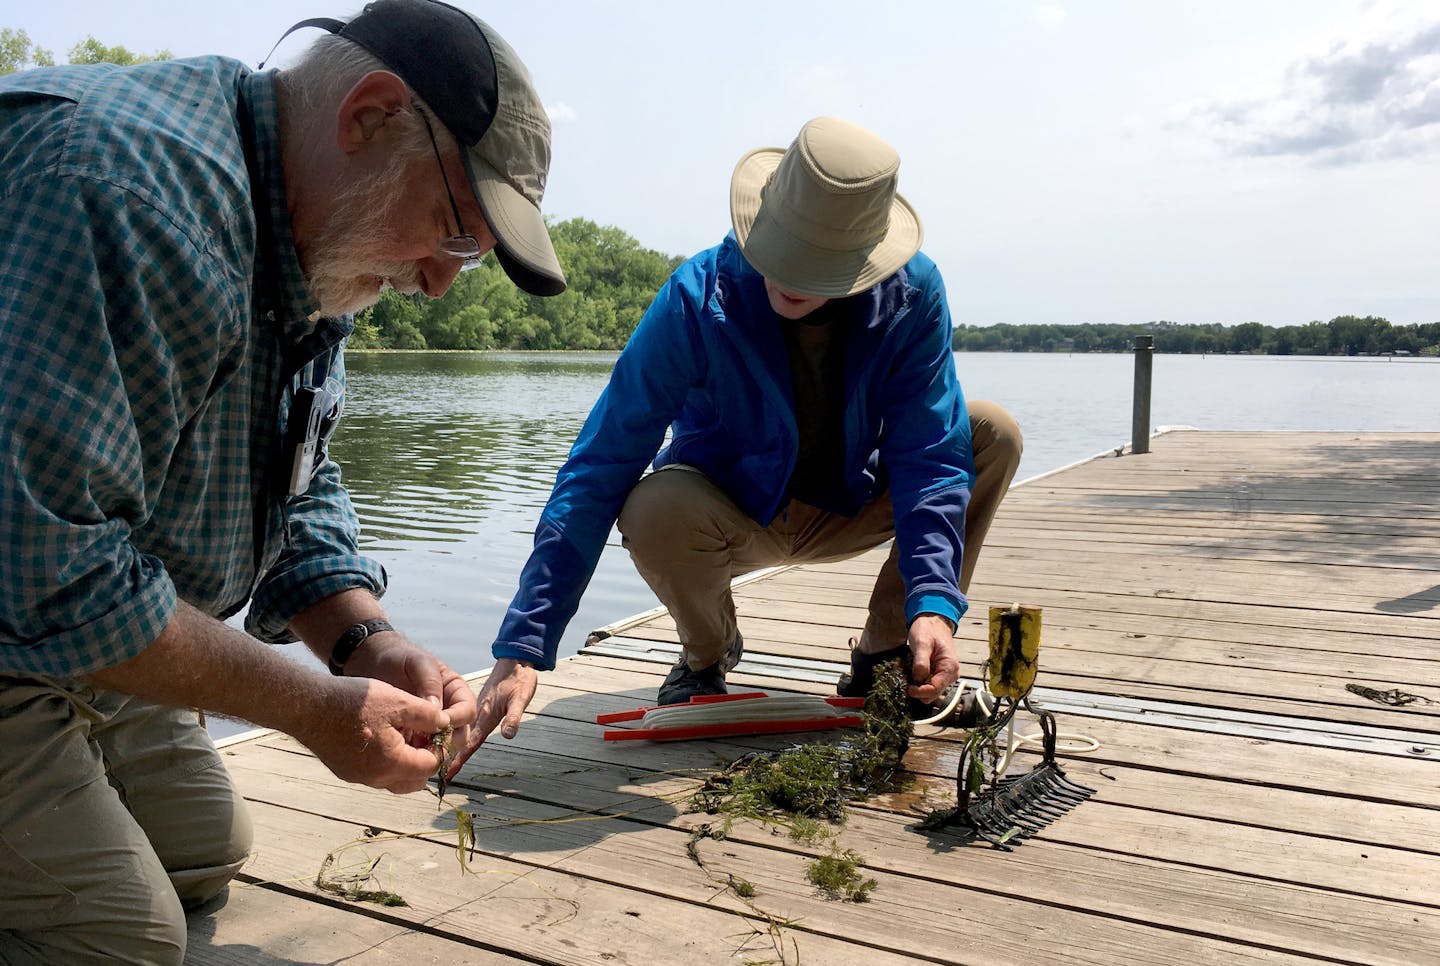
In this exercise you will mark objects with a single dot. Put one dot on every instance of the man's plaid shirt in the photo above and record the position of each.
(153, 325)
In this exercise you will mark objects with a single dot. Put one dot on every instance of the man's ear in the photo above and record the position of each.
(365, 109)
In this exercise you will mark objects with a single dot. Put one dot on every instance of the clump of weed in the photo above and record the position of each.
(351, 885)
(837, 876)
(807, 830)
(806, 788)
(814, 781)
(445, 756)
(743, 888)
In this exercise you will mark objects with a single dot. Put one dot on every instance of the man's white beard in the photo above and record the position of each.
(346, 271)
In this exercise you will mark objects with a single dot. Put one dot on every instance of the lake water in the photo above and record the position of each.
(449, 456)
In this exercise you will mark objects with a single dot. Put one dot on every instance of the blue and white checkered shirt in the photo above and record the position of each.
(154, 324)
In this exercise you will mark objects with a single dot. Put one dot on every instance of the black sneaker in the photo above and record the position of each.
(682, 684)
(860, 679)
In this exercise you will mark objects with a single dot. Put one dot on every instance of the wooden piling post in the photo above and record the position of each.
(1140, 416)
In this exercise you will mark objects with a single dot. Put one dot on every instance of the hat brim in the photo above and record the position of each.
(801, 266)
(523, 243)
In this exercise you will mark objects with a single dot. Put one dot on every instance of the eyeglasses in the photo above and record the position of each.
(462, 245)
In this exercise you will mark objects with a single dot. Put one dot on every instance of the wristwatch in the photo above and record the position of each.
(351, 640)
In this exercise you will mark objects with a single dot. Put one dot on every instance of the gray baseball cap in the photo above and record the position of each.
(478, 88)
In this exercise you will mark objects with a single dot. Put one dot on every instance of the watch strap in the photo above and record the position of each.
(350, 641)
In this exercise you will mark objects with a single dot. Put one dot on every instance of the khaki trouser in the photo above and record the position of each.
(116, 815)
(688, 540)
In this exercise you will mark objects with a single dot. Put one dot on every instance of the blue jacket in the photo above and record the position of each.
(709, 361)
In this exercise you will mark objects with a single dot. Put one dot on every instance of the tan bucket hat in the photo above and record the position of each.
(823, 217)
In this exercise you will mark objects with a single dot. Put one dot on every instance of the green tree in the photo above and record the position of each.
(18, 52)
(396, 319)
(612, 280)
(92, 51)
(1247, 337)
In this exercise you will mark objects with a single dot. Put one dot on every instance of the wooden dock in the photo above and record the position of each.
(1206, 609)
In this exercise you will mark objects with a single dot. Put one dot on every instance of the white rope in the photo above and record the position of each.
(1080, 744)
(957, 693)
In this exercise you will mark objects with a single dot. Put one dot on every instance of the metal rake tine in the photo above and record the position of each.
(1036, 789)
(1024, 815)
(999, 825)
(1048, 809)
(1033, 796)
(1069, 782)
(1017, 816)
(1071, 795)
(987, 823)
(986, 835)
(1053, 792)
(1074, 793)
(1028, 824)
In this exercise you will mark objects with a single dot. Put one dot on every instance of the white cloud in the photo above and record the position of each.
(1371, 93)
(560, 112)
(1049, 16)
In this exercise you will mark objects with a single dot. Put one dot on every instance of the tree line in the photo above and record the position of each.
(19, 52)
(1345, 335)
(611, 282)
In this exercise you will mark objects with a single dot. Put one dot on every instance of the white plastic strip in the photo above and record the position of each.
(798, 707)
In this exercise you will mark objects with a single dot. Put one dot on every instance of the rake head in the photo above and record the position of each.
(1016, 806)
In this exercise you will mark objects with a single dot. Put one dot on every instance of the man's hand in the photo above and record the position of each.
(507, 693)
(358, 727)
(392, 658)
(361, 731)
(937, 665)
(386, 656)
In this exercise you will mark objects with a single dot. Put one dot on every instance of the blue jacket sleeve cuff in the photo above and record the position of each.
(938, 604)
(519, 652)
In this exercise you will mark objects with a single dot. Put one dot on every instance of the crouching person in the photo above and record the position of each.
(804, 369)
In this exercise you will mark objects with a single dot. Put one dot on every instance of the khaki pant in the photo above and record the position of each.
(688, 540)
(116, 815)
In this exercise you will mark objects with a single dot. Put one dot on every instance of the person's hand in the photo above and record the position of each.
(937, 665)
(360, 728)
(507, 693)
(392, 658)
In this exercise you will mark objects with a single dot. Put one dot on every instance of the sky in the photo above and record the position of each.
(1273, 161)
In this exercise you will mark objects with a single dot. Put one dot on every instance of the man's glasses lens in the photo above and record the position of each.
(461, 246)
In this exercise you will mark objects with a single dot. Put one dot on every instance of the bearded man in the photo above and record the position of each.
(182, 242)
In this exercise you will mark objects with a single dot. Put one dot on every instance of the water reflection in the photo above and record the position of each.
(449, 458)
(436, 447)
